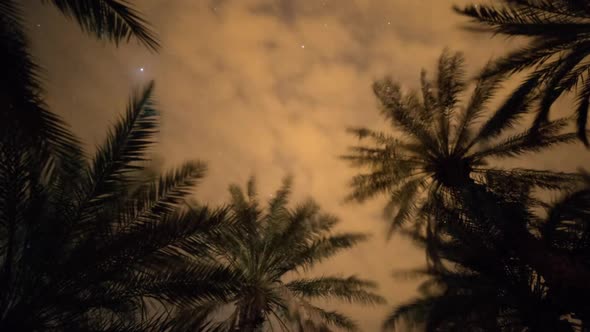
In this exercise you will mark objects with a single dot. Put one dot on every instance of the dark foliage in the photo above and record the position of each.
(440, 150)
(24, 117)
(269, 246)
(482, 288)
(89, 245)
(558, 48)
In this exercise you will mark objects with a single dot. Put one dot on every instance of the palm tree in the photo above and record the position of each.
(95, 245)
(442, 157)
(481, 289)
(272, 246)
(485, 293)
(557, 50)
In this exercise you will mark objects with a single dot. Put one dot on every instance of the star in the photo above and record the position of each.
(38, 25)
(388, 23)
(141, 69)
(302, 46)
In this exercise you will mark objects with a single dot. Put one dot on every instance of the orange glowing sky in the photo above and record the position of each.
(267, 88)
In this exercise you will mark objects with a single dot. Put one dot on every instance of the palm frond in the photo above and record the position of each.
(534, 55)
(156, 243)
(24, 113)
(318, 223)
(558, 29)
(428, 110)
(554, 88)
(192, 285)
(523, 178)
(324, 248)
(378, 137)
(507, 115)
(124, 148)
(110, 19)
(567, 8)
(450, 79)
(396, 110)
(380, 181)
(449, 85)
(525, 17)
(163, 196)
(302, 227)
(403, 202)
(277, 205)
(485, 89)
(349, 289)
(532, 140)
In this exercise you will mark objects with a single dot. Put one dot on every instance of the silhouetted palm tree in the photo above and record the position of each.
(441, 156)
(467, 300)
(439, 149)
(480, 288)
(91, 245)
(557, 50)
(272, 246)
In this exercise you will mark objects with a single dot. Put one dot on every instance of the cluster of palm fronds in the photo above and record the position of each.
(99, 243)
(500, 256)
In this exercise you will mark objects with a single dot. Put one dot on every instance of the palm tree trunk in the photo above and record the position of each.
(560, 271)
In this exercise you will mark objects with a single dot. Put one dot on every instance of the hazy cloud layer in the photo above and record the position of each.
(266, 87)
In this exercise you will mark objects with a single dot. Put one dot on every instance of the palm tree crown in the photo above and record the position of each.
(275, 243)
(439, 151)
(559, 45)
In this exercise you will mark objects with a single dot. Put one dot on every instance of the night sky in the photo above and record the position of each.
(267, 88)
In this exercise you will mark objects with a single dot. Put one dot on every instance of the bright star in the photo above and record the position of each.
(141, 69)
(302, 46)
